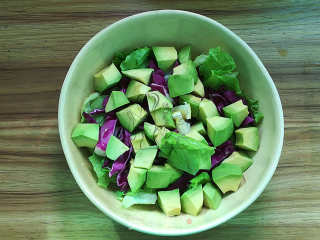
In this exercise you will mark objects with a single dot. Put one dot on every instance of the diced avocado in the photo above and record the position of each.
(157, 100)
(131, 116)
(141, 197)
(184, 54)
(240, 159)
(211, 196)
(202, 178)
(150, 130)
(163, 118)
(116, 100)
(184, 109)
(247, 138)
(199, 89)
(136, 178)
(169, 202)
(145, 157)
(86, 135)
(197, 136)
(227, 177)
(237, 112)
(142, 74)
(187, 69)
(185, 153)
(194, 104)
(160, 133)
(106, 78)
(115, 148)
(207, 109)
(192, 201)
(137, 91)
(161, 176)
(180, 85)
(182, 126)
(198, 127)
(220, 129)
(139, 141)
(165, 57)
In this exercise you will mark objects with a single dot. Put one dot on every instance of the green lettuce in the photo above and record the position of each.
(136, 59)
(202, 178)
(253, 106)
(219, 78)
(101, 173)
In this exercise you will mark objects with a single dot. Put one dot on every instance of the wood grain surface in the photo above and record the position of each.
(39, 198)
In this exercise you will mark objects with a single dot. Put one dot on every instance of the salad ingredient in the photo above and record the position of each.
(227, 177)
(211, 196)
(86, 135)
(240, 159)
(115, 148)
(145, 157)
(131, 116)
(106, 78)
(139, 198)
(202, 178)
(163, 118)
(139, 141)
(247, 138)
(101, 173)
(237, 112)
(117, 99)
(160, 133)
(137, 91)
(188, 70)
(184, 54)
(165, 56)
(194, 104)
(207, 109)
(136, 178)
(150, 130)
(222, 152)
(184, 109)
(157, 101)
(142, 75)
(180, 85)
(198, 127)
(161, 176)
(197, 136)
(220, 129)
(136, 59)
(198, 89)
(192, 200)
(106, 131)
(169, 202)
(182, 126)
(253, 105)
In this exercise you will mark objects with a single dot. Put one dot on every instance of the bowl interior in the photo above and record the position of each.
(173, 28)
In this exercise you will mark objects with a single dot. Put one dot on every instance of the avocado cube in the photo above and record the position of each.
(169, 202)
(184, 54)
(196, 136)
(198, 127)
(86, 135)
(237, 111)
(180, 85)
(247, 138)
(227, 176)
(131, 116)
(115, 148)
(106, 78)
(211, 196)
(194, 104)
(220, 129)
(150, 130)
(145, 157)
(207, 109)
(139, 141)
(117, 99)
(157, 100)
(160, 133)
(192, 201)
(198, 89)
(136, 178)
(165, 56)
(184, 109)
(163, 118)
(142, 74)
(137, 91)
(187, 69)
(240, 159)
(161, 176)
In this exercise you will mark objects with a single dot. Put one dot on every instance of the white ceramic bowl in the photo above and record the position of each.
(173, 28)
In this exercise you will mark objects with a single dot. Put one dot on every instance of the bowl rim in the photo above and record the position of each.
(123, 221)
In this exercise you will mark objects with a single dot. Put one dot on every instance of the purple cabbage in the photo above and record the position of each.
(181, 183)
(106, 131)
(222, 152)
(158, 79)
(161, 88)
(88, 118)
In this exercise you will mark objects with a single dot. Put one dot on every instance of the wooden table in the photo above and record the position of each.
(39, 198)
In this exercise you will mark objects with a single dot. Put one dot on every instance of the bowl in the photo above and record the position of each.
(171, 28)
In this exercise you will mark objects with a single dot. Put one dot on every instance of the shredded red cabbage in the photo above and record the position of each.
(222, 152)
(181, 183)
(106, 131)
(88, 118)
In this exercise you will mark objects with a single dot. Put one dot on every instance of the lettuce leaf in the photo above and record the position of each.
(202, 178)
(139, 198)
(253, 106)
(101, 173)
(136, 59)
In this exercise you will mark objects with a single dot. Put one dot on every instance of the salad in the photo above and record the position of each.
(164, 129)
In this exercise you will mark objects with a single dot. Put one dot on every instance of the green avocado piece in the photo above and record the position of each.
(106, 78)
(237, 111)
(240, 159)
(182, 126)
(247, 138)
(184, 109)
(198, 127)
(131, 116)
(220, 129)
(227, 176)
(202, 178)
(165, 56)
(86, 135)
(141, 197)
(142, 74)
(137, 91)
(211, 196)
(192, 200)
(180, 85)
(163, 118)
(117, 99)
(194, 104)
(145, 157)
(207, 109)
(197, 136)
(187, 69)
(157, 100)
(136, 178)
(160, 133)
(139, 141)
(184, 54)
(150, 130)
(185, 153)
(115, 148)
(198, 89)
(169, 202)
(161, 176)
